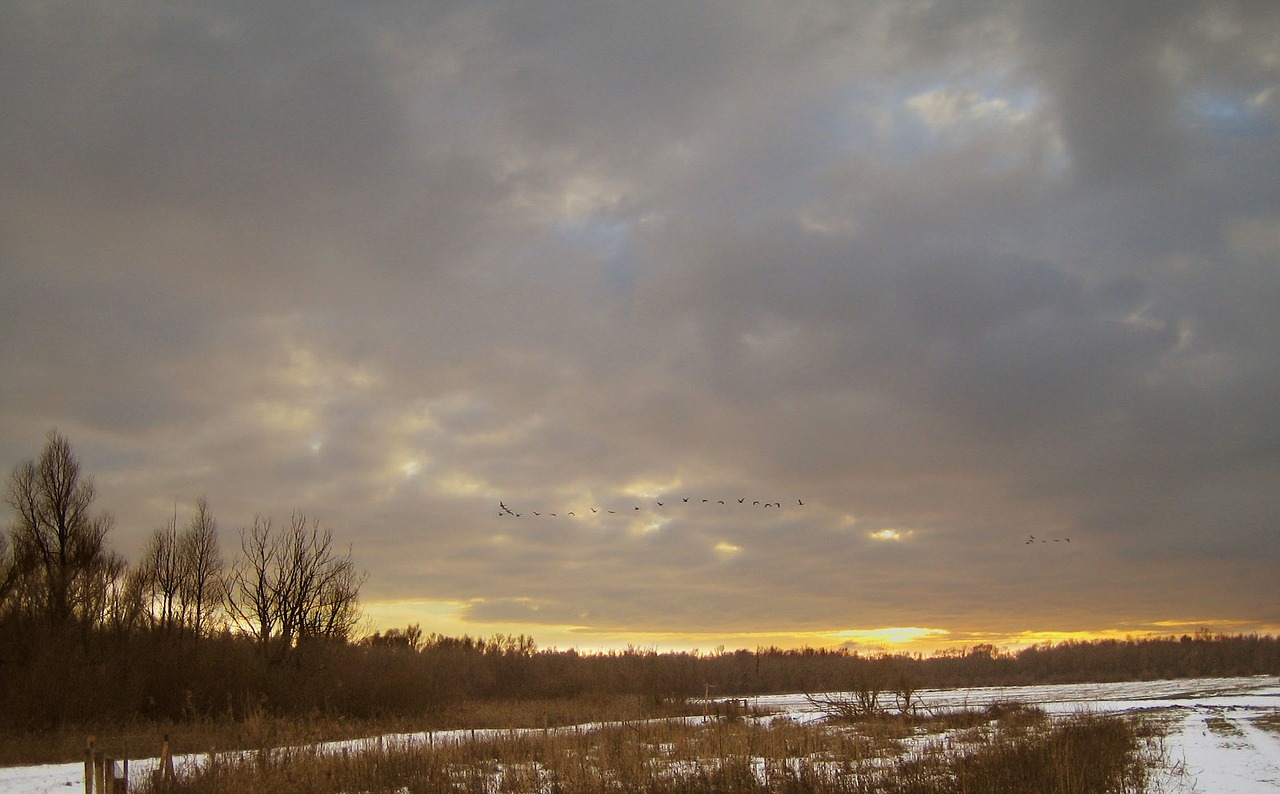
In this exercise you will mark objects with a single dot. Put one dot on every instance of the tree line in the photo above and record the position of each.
(67, 597)
(185, 634)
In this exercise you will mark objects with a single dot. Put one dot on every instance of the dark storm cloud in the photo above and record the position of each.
(951, 273)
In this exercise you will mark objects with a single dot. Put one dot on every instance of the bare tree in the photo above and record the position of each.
(291, 586)
(181, 576)
(248, 589)
(98, 591)
(161, 576)
(126, 602)
(57, 542)
(202, 566)
(8, 575)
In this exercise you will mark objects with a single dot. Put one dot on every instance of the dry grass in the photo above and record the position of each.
(1222, 727)
(261, 729)
(1269, 722)
(994, 751)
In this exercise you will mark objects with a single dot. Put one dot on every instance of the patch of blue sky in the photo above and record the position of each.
(607, 240)
(869, 122)
(594, 235)
(1225, 113)
(919, 116)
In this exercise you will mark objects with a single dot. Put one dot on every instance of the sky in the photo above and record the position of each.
(929, 278)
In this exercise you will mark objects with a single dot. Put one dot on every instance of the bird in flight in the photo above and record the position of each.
(743, 499)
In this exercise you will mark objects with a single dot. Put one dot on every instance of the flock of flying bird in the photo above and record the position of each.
(1033, 539)
(505, 510)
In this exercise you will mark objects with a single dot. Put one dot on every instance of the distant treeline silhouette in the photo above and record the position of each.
(402, 674)
(512, 667)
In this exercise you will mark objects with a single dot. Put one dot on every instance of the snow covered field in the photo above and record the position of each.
(1212, 722)
(1215, 728)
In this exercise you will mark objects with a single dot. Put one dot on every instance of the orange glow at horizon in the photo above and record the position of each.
(445, 618)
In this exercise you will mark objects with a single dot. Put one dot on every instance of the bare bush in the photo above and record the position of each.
(861, 702)
(905, 693)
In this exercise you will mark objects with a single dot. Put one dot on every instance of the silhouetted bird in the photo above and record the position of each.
(571, 513)
(637, 508)
(743, 499)
(594, 510)
(686, 498)
(536, 513)
(720, 501)
(704, 501)
(659, 504)
(755, 504)
(801, 502)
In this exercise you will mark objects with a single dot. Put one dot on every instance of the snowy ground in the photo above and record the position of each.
(1212, 722)
(1214, 728)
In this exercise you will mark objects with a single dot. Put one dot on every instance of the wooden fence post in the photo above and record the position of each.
(99, 781)
(166, 760)
(88, 765)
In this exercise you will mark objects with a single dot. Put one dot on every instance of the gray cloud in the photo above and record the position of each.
(964, 272)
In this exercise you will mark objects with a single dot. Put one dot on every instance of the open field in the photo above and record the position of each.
(1217, 736)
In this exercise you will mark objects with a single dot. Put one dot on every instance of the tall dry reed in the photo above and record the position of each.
(1085, 753)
